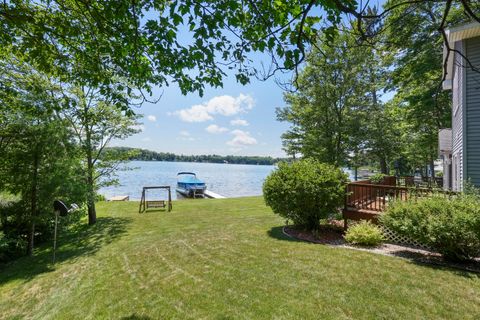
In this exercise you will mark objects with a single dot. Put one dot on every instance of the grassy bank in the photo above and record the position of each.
(225, 259)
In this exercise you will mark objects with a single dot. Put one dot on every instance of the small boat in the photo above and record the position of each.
(190, 186)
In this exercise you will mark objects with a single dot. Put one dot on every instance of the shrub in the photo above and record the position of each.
(100, 197)
(11, 247)
(450, 226)
(13, 226)
(377, 178)
(364, 233)
(305, 191)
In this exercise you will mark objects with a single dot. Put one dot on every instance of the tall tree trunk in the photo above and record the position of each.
(432, 166)
(383, 166)
(356, 173)
(92, 214)
(33, 203)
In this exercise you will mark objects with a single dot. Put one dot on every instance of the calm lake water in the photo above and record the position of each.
(229, 180)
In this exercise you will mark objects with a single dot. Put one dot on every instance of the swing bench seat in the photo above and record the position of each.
(156, 204)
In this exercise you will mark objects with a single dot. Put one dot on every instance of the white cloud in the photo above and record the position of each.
(146, 139)
(139, 127)
(223, 105)
(185, 136)
(152, 118)
(239, 122)
(241, 139)
(197, 113)
(213, 128)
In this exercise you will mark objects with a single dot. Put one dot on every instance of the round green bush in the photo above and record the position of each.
(449, 226)
(305, 191)
(364, 233)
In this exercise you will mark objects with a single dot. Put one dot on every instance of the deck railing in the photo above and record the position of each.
(363, 195)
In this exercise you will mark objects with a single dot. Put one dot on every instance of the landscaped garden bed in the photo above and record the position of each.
(333, 235)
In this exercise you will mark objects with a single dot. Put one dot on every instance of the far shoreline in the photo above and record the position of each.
(137, 154)
(240, 164)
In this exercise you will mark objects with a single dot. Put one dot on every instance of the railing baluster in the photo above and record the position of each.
(373, 197)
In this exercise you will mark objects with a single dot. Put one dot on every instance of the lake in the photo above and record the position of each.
(228, 180)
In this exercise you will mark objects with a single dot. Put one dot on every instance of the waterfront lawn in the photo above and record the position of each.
(222, 259)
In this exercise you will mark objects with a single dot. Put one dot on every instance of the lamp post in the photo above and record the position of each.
(60, 209)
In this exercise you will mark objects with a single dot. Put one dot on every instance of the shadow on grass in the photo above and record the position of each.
(155, 210)
(277, 233)
(72, 244)
(135, 317)
(469, 269)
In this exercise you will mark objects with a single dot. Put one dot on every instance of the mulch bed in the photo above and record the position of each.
(327, 234)
(332, 234)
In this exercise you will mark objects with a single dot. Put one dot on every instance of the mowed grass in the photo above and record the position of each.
(222, 259)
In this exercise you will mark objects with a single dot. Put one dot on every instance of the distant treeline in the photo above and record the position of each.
(148, 155)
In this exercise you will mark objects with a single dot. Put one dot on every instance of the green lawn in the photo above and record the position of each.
(222, 259)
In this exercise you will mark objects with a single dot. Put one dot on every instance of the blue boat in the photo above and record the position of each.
(190, 186)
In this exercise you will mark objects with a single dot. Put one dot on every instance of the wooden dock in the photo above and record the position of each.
(213, 195)
(119, 198)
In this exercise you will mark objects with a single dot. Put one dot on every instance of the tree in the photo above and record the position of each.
(40, 167)
(39, 161)
(384, 140)
(326, 109)
(188, 42)
(415, 44)
(95, 122)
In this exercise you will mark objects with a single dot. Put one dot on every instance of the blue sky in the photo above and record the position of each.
(234, 119)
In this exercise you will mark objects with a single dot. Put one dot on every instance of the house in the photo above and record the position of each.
(459, 147)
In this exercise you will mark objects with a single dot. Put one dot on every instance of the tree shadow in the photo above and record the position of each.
(469, 269)
(72, 244)
(135, 317)
(277, 233)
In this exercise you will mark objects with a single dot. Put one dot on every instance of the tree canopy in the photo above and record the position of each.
(191, 43)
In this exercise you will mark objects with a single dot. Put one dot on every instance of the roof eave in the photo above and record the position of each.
(456, 34)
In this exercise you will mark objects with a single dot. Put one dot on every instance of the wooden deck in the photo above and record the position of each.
(119, 198)
(213, 195)
(367, 201)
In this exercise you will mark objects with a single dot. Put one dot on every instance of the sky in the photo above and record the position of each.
(235, 119)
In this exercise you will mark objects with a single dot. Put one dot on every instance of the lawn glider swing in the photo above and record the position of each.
(157, 203)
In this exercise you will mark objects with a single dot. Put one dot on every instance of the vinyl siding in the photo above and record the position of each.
(472, 112)
(457, 120)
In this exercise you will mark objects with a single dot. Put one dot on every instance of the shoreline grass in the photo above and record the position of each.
(221, 259)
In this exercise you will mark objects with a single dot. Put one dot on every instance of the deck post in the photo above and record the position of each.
(345, 205)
